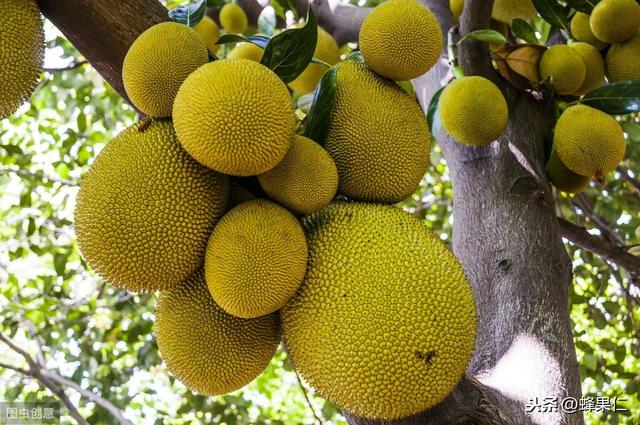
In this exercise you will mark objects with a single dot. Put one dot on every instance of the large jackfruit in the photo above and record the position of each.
(594, 67)
(209, 31)
(588, 141)
(563, 178)
(508, 10)
(400, 39)
(21, 53)
(326, 50)
(581, 31)
(305, 180)
(565, 67)
(378, 136)
(233, 19)
(146, 209)
(208, 350)
(623, 60)
(473, 111)
(247, 51)
(235, 116)
(256, 259)
(615, 21)
(384, 323)
(158, 62)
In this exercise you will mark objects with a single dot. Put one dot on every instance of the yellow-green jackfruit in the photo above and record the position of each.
(158, 62)
(233, 19)
(378, 136)
(145, 210)
(247, 51)
(594, 67)
(615, 21)
(305, 180)
(565, 68)
(235, 116)
(473, 111)
(21, 53)
(588, 141)
(209, 31)
(456, 7)
(581, 31)
(384, 323)
(326, 50)
(623, 60)
(256, 259)
(210, 351)
(400, 39)
(508, 10)
(563, 178)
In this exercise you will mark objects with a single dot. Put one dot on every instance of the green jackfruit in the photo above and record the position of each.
(581, 31)
(615, 21)
(594, 66)
(247, 51)
(233, 19)
(456, 7)
(563, 178)
(508, 10)
(565, 67)
(209, 31)
(623, 60)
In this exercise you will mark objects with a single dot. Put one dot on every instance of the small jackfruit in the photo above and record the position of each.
(21, 53)
(210, 351)
(235, 116)
(588, 141)
(563, 178)
(256, 259)
(233, 19)
(594, 67)
(564, 66)
(581, 31)
(384, 323)
(247, 51)
(326, 50)
(209, 31)
(378, 136)
(158, 62)
(623, 60)
(145, 210)
(456, 7)
(473, 111)
(508, 10)
(615, 21)
(400, 39)
(305, 180)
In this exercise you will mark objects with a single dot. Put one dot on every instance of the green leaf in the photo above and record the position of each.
(584, 6)
(317, 124)
(432, 111)
(189, 15)
(615, 99)
(553, 12)
(285, 5)
(290, 52)
(486, 36)
(258, 40)
(60, 262)
(523, 29)
(82, 122)
(590, 361)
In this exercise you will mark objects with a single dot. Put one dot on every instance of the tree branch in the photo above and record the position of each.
(474, 55)
(37, 175)
(585, 204)
(626, 175)
(342, 20)
(69, 67)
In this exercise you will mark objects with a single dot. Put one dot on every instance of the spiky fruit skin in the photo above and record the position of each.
(158, 62)
(563, 178)
(256, 259)
(247, 51)
(588, 141)
(623, 60)
(564, 66)
(210, 351)
(233, 19)
(456, 7)
(327, 50)
(581, 31)
(378, 137)
(594, 67)
(384, 323)
(508, 10)
(305, 180)
(615, 21)
(400, 39)
(473, 111)
(145, 210)
(21, 53)
(235, 116)
(209, 31)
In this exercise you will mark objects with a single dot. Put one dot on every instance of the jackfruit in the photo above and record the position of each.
(209, 31)
(456, 7)
(563, 178)
(400, 39)
(247, 51)
(581, 31)
(564, 66)
(145, 210)
(21, 53)
(235, 116)
(233, 19)
(508, 10)
(384, 323)
(210, 351)
(615, 21)
(473, 111)
(594, 67)
(256, 259)
(588, 141)
(158, 62)
(326, 50)
(623, 60)
(305, 180)
(378, 136)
